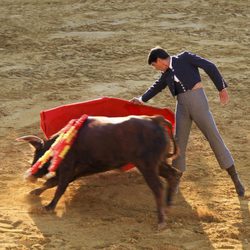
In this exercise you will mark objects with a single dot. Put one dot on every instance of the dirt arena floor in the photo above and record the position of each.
(58, 52)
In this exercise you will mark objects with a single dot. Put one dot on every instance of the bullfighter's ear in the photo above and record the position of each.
(35, 141)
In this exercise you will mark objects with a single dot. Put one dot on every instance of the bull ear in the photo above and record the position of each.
(35, 141)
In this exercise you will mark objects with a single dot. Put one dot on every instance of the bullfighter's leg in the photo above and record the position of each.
(205, 121)
(172, 175)
(50, 183)
(151, 177)
(182, 131)
(236, 180)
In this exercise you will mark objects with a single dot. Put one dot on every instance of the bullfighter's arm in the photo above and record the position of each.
(157, 87)
(209, 68)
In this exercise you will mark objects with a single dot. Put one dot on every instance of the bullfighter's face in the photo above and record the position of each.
(161, 64)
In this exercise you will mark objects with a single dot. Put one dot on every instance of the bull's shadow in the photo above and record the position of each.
(117, 208)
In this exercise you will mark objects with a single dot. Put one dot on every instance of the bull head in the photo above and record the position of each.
(35, 141)
(38, 145)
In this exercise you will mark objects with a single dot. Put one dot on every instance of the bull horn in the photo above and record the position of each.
(35, 141)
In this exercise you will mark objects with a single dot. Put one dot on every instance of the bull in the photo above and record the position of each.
(104, 144)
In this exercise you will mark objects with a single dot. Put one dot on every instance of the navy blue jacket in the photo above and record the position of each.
(186, 68)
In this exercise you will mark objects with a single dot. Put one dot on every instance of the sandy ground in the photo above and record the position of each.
(58, 52)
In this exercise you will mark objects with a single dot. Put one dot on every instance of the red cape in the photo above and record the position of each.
(52, 120)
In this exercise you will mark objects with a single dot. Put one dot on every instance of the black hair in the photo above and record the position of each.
(155, 53)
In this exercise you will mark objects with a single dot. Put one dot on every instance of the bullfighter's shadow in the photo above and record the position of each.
(124, 200)
(244, 226)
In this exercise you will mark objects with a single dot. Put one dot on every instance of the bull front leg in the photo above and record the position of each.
(59, 192)
(50, 183)
(65, 176)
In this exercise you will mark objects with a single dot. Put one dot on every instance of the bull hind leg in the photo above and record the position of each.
(152, 179)
(172, 175)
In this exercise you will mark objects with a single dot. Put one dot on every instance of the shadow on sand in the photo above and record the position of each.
(116, 210)
(244, 227)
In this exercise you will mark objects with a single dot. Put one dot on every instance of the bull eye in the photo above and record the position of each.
(38, 153)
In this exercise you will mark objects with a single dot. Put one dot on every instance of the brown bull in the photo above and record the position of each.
(103, 144)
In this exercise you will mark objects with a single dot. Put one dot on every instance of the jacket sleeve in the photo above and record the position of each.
(157, 87)
(209, 68)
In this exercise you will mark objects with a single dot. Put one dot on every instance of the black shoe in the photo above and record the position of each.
(236, 180)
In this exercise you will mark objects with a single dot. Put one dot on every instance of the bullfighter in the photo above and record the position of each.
(181, 74)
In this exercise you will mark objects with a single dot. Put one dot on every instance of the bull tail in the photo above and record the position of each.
(174, 155)
(168, 125)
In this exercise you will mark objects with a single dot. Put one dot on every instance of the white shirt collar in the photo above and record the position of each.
(171, 67)
(170, 63)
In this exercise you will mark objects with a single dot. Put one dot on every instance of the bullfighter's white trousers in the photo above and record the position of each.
(193, 106)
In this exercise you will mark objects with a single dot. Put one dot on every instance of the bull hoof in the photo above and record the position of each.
(49, 208)
(35, 192)
(39, 210)
(161, 226)
(42, 210)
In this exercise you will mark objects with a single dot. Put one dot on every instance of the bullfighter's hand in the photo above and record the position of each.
(224, 97)
(136, 100)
